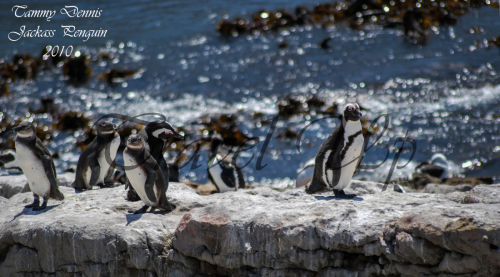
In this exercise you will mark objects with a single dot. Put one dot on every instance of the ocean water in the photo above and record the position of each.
(445, 95)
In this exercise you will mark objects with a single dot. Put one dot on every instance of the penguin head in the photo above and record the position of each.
(25, 130)
(105, 127)
(352, 112)
(215, 143)
(135, 142)
(162, 130)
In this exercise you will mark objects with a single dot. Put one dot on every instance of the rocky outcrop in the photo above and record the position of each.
(255, 232)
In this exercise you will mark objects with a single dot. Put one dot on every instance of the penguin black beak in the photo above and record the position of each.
(16, 129)
(170, 134)
(359, 113)
(178, 136)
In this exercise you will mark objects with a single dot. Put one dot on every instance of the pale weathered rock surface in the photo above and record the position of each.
(255, 232)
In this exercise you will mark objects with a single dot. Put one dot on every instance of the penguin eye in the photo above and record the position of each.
(350, 108)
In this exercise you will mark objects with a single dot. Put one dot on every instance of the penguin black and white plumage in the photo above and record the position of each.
(222, 169)
(9, 161)
(94, 166)
(305, 173)
(155, 135)
(436, 167)
(340, 156)
(173, 176)
(38, 166)
(145, 175)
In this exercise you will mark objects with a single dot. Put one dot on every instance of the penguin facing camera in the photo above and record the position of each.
(38, 166)
(145, 176)
(173, 173)
(436, 167)
(222, 169)
(94, 166)
(339, 157)
(155, 135)
(9, 161)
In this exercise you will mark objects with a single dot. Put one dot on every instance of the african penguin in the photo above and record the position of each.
(9, 161)
(340, 156)
(37, 164)
(96, 163)
(222, 169)
(436, 167)
(155, 135)
(145, 175)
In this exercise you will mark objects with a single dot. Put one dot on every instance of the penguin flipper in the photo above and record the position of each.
(165, 171)
(109, 175)
(241, 180)
(48, 165)
(153, 174)
(95, 169)
(50, 170)
(333, 169)
(360, 160)
(227, 174)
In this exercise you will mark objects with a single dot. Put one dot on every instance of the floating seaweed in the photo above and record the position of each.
(77, 70)
(116, 75)
(72, 121)
(415, 17)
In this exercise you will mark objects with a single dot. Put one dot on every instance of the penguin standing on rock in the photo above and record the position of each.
(37, 164)
(155, 135)
(222, 169)
(340, 156)
(94, 166)
(145, 176)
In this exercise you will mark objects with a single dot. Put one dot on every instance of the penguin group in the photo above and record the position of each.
(145, 168)
(147, 172)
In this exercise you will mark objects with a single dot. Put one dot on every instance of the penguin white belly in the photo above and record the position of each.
(216, 173)
(33, 168)
(350, 162)
(137, 178)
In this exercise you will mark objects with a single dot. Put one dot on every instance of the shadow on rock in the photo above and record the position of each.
(132, 217)
(328, 198)
(29, 211)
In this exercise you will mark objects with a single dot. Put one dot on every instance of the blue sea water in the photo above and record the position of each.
(445, 94)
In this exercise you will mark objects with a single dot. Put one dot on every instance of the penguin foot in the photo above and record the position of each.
(35, 203)
(44, 205)
(343, 195)
(168, 207)
(107, 185)
(140, 211)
